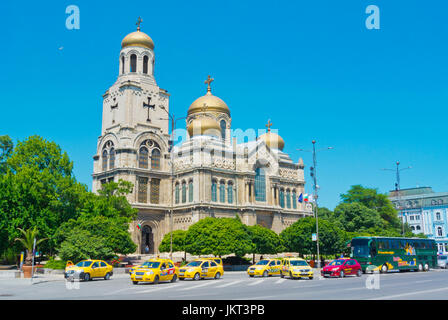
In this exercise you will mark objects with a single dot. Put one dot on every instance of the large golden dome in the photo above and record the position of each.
(208, 103)
(204, 126)
(271, 139)
(137, 39)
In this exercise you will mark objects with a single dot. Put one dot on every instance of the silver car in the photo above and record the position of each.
(442, 261)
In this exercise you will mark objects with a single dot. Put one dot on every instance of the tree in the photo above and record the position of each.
(355, 217)
(298, 237)
(265, 241)
(179, 238)
(28, 243)
(6, 147)
(218, 236)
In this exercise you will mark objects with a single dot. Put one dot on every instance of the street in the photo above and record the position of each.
(237, 286)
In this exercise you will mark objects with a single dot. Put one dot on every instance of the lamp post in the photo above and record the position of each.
(170, 150)
(397, 190)
(313, 174)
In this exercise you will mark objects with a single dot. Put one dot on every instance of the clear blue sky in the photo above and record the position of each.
(312, 67)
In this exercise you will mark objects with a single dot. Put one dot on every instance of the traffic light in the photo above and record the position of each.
(311, 171)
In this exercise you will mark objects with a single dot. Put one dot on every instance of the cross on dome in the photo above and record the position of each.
(269, 125)
(138, 23)
(208, 82)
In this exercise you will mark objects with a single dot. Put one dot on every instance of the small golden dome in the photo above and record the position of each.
(208, 102)
(271, 139)
(137, 39)
(204, 126)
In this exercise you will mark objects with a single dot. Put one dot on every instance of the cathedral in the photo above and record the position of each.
(206, 174)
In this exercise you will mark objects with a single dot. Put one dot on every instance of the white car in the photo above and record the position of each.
(442, 261)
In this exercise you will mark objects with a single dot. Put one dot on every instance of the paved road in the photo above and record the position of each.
(238, 286)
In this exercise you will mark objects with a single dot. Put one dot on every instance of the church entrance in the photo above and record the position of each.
(147, 240)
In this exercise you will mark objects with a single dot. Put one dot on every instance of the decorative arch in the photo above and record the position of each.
(107, 153)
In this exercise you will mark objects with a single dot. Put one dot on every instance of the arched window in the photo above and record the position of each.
(104, 160)
(142, 189)
(222, 192)
(112, 159)
(184, 192)
(143, 158)
(230, 192)
(133, 63)
(260, 185)
(282, 198)
(155, 190)
(223, 129)
(153, 63)
(439, 231)
(294, 199)
(214, 187)
(122, 64)
(437, 215)
(155, 159)
(288, 199)
(145, 64)
(177, 193)
(190, 191)
(413, 228)
(418, 227)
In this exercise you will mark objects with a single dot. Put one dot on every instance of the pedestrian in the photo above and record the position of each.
(147, 249)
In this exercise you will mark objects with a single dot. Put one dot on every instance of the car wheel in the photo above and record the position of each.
(87, 277)
(420, 267)
(282, 275)
(426, 267)
(384, 268)
(290, 275)
(311, 278)
(156, 280)
(217, 276)
(196, 277)
(135, 282)
(174, 278)
(107, 276)
(265, 274)
(341, 274)
(359, 273)
(181, 279)
(251, 275)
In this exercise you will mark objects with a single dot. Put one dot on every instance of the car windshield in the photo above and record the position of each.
(360, 248)
(84, 264)
(262, 262)
(150, 264)
(336, 263)
(298, 263)
(443, 257)
(194, 264)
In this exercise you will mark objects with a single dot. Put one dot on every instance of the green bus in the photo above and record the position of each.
(387, 253)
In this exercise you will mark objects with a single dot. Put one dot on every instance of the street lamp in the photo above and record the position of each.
(313, 174)
(397, 190)
(170, 150)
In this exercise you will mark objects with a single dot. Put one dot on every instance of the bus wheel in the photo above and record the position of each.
(384, 268)
(420, 267)
(426, 267)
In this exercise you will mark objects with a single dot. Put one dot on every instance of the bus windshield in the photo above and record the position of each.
(360, 248)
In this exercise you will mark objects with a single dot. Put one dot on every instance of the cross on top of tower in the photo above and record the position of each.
(138, 23)
(268, 125)
(208, 81)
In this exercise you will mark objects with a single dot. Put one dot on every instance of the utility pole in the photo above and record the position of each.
(397, 191)
(313, 173)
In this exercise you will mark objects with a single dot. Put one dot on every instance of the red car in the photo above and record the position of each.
(342, 267)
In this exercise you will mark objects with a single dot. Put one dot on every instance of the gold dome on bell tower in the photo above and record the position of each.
(137, 39)
(271, 139)
(208, 102)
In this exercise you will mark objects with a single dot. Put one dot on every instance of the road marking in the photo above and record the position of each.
(421, 281)
(409, 294)
(199, 285)
(229, 284)
(256, 282)
(280, 280)
(152, 290)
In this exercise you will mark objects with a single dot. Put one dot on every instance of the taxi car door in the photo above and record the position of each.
(213, 268)
(278, 266)
(171, 271)
(286, 266)
(95, 270)
(204, 269)
(271, 267)
(163, 272)
(103, 269)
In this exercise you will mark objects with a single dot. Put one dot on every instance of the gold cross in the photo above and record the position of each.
(138, 23)
(269, 125)
(208, 81)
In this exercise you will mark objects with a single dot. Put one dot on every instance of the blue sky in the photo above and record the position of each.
(312, 67)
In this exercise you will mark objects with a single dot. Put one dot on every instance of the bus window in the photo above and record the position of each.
(380, 244)
(402, 244)
(394, 244)
(373, 248)
(360, 247)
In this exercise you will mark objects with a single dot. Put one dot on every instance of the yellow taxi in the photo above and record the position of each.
(154, 271)
(265, 268)
(296, 268)
(201, 269)
(88, 269)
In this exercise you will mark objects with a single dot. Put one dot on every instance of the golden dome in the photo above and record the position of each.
(204, 126)
(271, 139)
(208, 103)
(137, 39)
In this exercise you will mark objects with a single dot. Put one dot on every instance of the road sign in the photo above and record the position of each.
(314, 237)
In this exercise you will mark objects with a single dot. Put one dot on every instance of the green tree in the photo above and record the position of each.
(265, 241)
(298, 237)
(355, 217)
(179, 238)
(27, 241)
(6, 147)
(218, 236)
